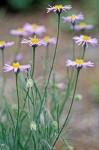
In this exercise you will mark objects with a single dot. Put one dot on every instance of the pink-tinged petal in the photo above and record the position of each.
(83, 39)
(79, 65)
(25, 41)
(9, 44)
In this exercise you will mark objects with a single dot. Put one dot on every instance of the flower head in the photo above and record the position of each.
(79, 63)
(19, 32)
(83, 26)
(16, 67)
(4, 44)
(85, 40)
(73, 18)
(34, 29)
(34, 42)
(49, 40)
(58, 8)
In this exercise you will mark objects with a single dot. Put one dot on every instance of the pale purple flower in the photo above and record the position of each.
(19, 32)
(18, 56)
(60, 85)
(58, 8)
(4, 44)
(73, 18)
(34, 29)
(16, 67)
(83, 26)
(34, 42)
(79, 63)
(85, 40)
(49, 40)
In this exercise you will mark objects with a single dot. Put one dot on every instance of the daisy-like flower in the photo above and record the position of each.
(73, 18)
(58, 8)
(34, 29)
(4, 44)
(16, 67)
(49, 40)
(34, 42)
(19, 32)
(79, 63)
(83, 26)
(85, 40)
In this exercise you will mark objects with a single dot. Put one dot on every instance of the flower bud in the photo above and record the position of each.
(29, 83)
(69, 148)
(33, 126)
(55, 125)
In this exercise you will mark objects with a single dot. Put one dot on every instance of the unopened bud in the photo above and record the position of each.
(29, 83)
(33, 126)
(69, 148)
(55, 125)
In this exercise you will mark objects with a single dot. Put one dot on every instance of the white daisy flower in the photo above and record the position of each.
(58, 8)
(19, 32)
(34, 29)
(4, 44)
(83, 26)
(34, 42)
(79, 63)
(73, 18)
(16, 67)
(85, 40)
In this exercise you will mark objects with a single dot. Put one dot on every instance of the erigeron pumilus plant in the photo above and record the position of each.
(33, 125)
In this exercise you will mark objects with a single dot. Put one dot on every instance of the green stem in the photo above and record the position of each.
(33, 61)
(73, 32)
(27, 140)
(2, 58)
(3, 75)
(18, 47)
(17, 124)
(46, 61)
(46, 86)
(84, 51)
(69, 109)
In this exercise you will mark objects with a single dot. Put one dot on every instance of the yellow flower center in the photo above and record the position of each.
(79, 61)
(34, 26)
(82, 24)
(73, 16)
(58, 6)
(35, 40)
(16, 65)
(2, 42)
(85, 37)
(46, 38)
(20, 29)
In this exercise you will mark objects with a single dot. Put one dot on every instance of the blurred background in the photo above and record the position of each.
(84, 122)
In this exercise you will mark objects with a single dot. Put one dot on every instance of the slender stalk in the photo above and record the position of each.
(19, 43)
(17, 124)
(69, 109)
(3, 74)
(2, 57)
(46, 86)
(84, 51)
(18, 48)
(33, 61)
(73, 32)
(46, 61)
(27, 140)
